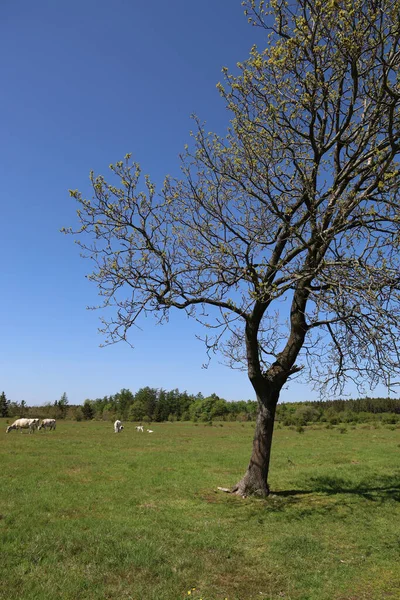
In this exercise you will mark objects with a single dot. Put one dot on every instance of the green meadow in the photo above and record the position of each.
(87, 514)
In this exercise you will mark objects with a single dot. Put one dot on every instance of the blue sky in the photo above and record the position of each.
(83, 83)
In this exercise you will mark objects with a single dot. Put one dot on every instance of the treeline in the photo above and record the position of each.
(334, 412)
(150, 404)
(146, 405)
(157, 405)
(59, 409)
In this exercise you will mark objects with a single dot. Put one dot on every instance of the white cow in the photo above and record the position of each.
(139, 428)
(118, 426)
(30, 424)
(47, 424)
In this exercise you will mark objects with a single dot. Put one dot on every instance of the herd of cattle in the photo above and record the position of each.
(33, 424)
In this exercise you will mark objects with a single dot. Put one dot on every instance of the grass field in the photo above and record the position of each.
(86, 514)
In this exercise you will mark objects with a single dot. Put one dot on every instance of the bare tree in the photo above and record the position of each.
(282, 238)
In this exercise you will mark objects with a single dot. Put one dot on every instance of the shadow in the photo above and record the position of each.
(380, 488)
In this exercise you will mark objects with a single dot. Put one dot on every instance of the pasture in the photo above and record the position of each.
(87, 514)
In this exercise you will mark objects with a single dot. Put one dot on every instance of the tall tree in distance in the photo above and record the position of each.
(62, 406)
(3, 405)
(87, 410)
(283, 237)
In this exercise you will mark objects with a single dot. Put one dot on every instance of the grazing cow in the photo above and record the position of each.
(47, 424)
(20, 424)
(139, 428)
(150, 431)
(118, 426)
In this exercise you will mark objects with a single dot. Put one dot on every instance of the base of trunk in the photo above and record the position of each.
(248, 486)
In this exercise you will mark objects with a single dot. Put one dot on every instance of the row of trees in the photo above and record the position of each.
(158, 405)
(59, 409)
(334, 412)
(150, 404)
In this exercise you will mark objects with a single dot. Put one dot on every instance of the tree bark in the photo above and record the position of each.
(255, 480)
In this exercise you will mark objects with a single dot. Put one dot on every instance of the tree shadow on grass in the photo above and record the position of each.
(377, 488)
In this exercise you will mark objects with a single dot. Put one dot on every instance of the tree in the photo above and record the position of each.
(62, 405)
(282, 238)
(123, 399)
(147, 398)
(163, 408)
(137, 411)
(3, 405)
(87, 410)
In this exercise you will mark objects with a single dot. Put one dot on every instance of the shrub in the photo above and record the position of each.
(389, 419)
(305, 414)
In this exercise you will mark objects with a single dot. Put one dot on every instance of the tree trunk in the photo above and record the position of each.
(268, 385)
(255, 480)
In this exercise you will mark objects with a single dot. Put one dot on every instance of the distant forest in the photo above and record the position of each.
(157, 405)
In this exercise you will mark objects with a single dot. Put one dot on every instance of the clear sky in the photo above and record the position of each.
(83, 83)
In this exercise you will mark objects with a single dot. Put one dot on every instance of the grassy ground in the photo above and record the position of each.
(86, 514)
